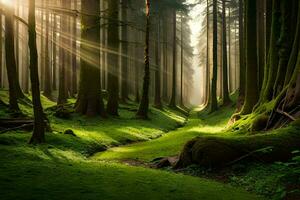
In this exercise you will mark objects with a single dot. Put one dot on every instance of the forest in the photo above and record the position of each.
(150, 99)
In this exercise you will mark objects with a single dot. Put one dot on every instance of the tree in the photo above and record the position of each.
(213, 103)
(124, 60)
(89, 101)
(226, 98)
(157, 94)
(38, 135)
(252, 91)
(47, 67)
(144, 104)
(113, 58)
(174, 72)
(242, 74)
(14, 87)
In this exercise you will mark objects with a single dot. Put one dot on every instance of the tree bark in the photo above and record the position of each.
(47, 67)
(113, 58)
(252, 92)
(144, 104)
(157, 94)
(89, 100)
(226, 98)
(174, 72)
(13, 80)
(124, 60)
(38, 135)
(213, 103)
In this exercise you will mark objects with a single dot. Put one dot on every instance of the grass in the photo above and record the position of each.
(61, 169)
(171, 144)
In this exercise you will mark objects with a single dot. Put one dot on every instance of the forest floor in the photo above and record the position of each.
(66, 167)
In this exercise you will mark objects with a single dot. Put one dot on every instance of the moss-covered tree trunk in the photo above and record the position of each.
(285, 44)
(89, 100)
(144, 104)
(113, 58)
(252, 91)
(226, 98)
(273, 58)
(38, 135)
(174, 70)
(213, 103)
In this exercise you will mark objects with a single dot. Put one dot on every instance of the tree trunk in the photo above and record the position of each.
(47, 67)
(181, 62)
(285, 44)
(54, 52)
(213, 103)
(157, 94)
(38, 135)
(174, 72)
(273, 59)
(89, 100)
(113, 58)
(1, 51)
(14, 86)
(124, 60)
(62, 77)
(144, 104)
(74, 53)
(252, 92)
(242, 87)
(226, 98)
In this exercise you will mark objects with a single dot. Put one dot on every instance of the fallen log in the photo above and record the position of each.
(15, 124)
(218, 152)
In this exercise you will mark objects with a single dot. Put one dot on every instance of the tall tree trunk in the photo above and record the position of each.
(1, 51)
(144, 104)
(273, 59)
(137, 76)
(242, 87)
(62, 91)
(38, 135)
(285, 45)
(174, 72)
(294, 53)
(74, 53)
(124, 60)
(113, 60)
(165, 66)
(157, 94)
(181, 62)
(252, 91)
(261, 41)
(13, 79)
(207, 55)
(89, 100)
(213, 103)
(47, 67)
(226, 98)
(54, 52)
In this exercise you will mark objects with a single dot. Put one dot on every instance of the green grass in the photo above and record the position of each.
(171, 144)
(61, 170)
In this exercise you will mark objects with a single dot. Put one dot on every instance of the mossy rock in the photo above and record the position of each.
(70, 132)
(218, 152)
